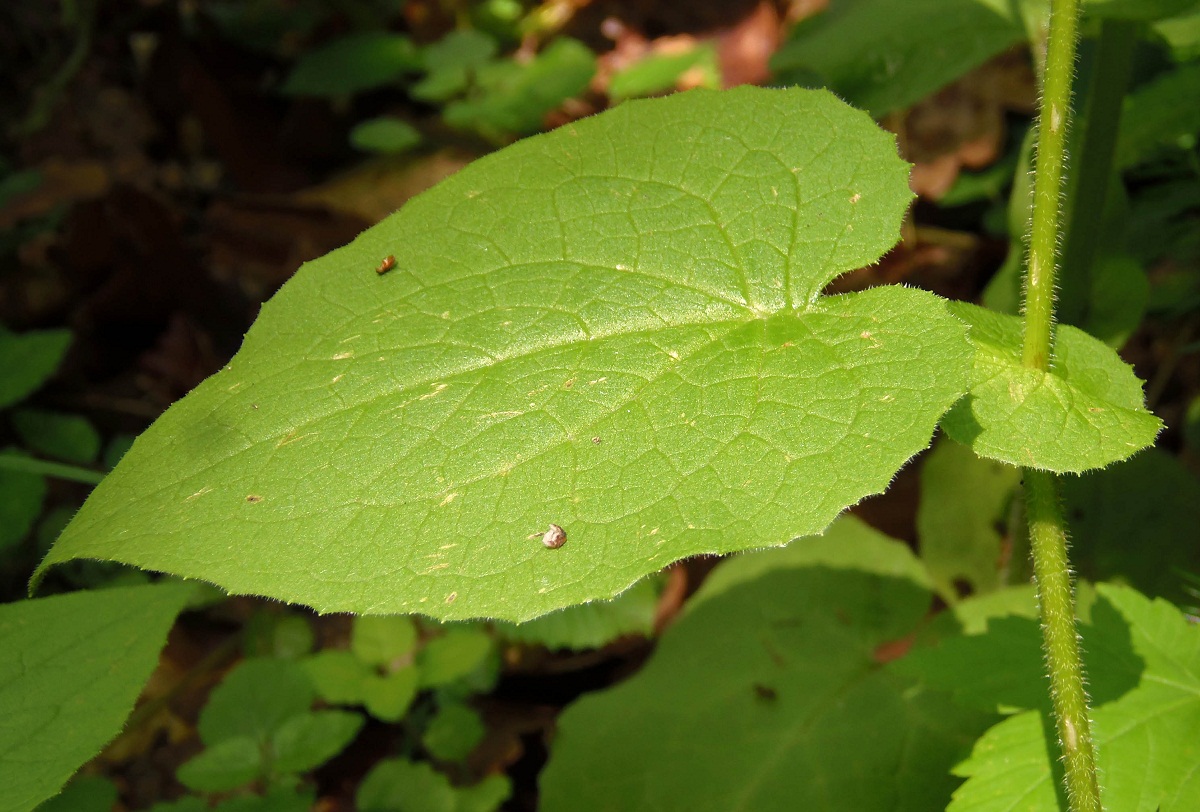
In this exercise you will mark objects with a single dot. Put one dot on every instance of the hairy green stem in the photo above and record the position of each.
(1047, 532)
(1056, 603)
(1048, 183)
(32, 465)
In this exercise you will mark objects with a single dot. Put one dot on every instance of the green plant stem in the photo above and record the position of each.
(60, 470)
(1056, 602)
(1048, 183)
(1047, 532)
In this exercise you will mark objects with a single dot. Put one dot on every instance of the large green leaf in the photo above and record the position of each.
(1137, 522)
(770, 695)
(70, 669)
(964, 502)
(1143, 666)
(884, 56)
(1087, 412)
(616, 328)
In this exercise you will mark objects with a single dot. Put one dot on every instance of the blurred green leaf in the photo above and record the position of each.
(450, 62)
(1145, 10)
(21, 497)
(338, 676)
(590, 625)
(514, 99)
(352, 64)
(398, 785)
(116, 449)
(381, 639)
(453, 732)
(189, 803)
(66, 436)
(86, 793)
(71, 667)
(454, 655)
(228, 764)
(310, 739)
(285, 636)
(27, 360)
(277, 799)
(659, 73)
(385, 135)
(388, 696)
(1182, 35)
(1118, 296)
(1154, 120)
(883, 56)
(253, 700)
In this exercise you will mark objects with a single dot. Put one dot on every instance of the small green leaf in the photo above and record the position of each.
(254, 700)
(87, 793)
(21, 497)
(352, 64)
(27, 360)
(71, 667)
(765, 675)
(310, 739)
(338, 676)
(386, 135)
(388, 696)
(590, 625)
(66, 436)
(449, 63)
(277, 799)
(286, 636)
(398, 785)
(659, 72)
(381, 639)
(616, 327)
(453, 732)
(453, 656)
(229, 764)
(514, 99)
(964, 503)
(1086, 413)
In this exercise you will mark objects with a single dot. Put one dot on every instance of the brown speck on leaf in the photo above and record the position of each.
(596, 440)
(765, 693)
(252, 498)
(452, 597)
(555, 537)
(388, 263)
